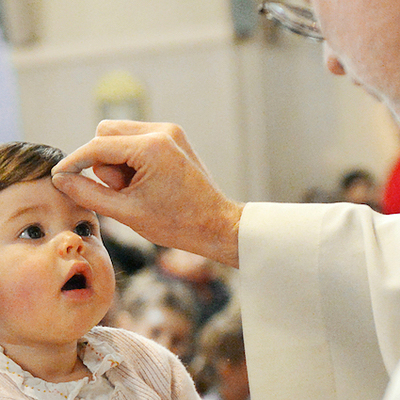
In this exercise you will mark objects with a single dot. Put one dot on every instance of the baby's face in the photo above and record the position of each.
(56, 278)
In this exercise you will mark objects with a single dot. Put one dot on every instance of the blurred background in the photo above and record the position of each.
(257, 104)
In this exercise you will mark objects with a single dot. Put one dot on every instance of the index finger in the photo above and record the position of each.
(135, 128)
(110, 127)
(98, 151)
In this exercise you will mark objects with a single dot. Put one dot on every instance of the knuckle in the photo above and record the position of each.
(159, 143)
(164, 139)
(177, 134)
(175, 131)
(103, 127)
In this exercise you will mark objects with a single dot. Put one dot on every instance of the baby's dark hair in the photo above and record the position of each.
(23, 161)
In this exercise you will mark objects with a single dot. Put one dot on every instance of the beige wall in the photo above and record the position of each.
(71, 21)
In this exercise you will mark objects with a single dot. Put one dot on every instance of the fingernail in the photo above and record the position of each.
(61, 179)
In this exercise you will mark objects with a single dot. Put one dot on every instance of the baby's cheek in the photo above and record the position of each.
(15, 305)
(22, 294)
(106, 274)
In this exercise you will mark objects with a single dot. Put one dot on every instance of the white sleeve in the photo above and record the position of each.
(320, 288)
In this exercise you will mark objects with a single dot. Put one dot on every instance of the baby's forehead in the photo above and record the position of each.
(38, 197)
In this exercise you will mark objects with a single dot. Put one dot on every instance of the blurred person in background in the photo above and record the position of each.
(160, 309)
(359, 186)
(219, 367)
(208, 280)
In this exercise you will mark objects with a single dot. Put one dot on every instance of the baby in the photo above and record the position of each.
(56, 284)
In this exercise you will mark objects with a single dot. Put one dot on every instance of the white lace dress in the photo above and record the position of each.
(98, 357)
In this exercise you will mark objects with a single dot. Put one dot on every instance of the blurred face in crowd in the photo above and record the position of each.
(164, 325)
(363, 41)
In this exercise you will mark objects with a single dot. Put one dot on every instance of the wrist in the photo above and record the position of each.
(220, 231)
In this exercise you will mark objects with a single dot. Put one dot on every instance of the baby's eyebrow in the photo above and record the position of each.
(80, 212)
(24, 211)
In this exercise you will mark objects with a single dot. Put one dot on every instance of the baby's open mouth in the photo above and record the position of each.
(76, 282)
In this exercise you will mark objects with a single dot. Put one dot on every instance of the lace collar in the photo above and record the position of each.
(99, 358)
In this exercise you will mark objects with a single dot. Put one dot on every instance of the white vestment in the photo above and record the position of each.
(320, 295)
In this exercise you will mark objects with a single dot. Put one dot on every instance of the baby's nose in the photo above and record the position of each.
(69, 243)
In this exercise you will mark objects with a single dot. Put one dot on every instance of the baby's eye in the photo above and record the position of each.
(84, 229)
(32, 232)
